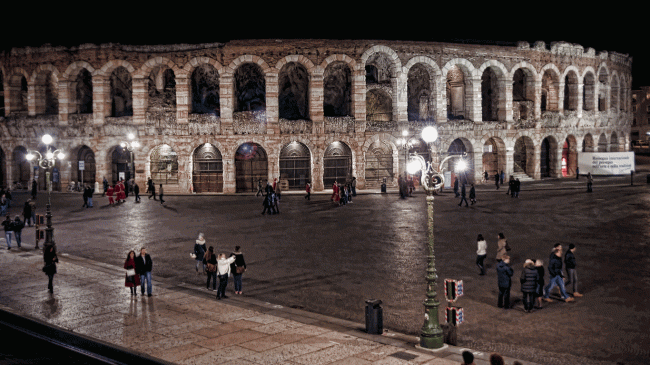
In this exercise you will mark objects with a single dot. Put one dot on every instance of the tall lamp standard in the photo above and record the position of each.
(431, 334)
(129, 146)
(47, 163)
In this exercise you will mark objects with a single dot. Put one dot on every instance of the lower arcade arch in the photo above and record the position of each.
(337, 164)
(379, 164)
(524, 156)
(569, 157)
(295, 165)
(207, 169)
(164, 165)
(84, 167)
(122, 166)
(21, 167)
(548, 158)
(494, 157)
(251, 165)
(459, 148)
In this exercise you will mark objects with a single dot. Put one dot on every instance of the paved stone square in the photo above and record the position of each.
(329, 260)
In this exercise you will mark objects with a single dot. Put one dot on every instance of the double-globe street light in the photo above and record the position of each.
(47, 162)
(129, 146)
(432, 179)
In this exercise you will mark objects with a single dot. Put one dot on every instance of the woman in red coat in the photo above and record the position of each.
(131, 281)
(335, 193)
(109, 194)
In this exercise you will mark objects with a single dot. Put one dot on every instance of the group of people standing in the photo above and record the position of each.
(219, 266)
(13, 227)
(532, 283)
(342, 193)
(463, 193)
(271, 194)
(138, 272)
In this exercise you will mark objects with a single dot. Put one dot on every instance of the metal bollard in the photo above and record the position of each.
(374, 317)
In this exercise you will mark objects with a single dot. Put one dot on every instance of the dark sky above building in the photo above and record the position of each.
(602, 27)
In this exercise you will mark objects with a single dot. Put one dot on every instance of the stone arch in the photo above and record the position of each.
(163, 164)
(86, 154)
(110, 66)
(207, 169)
(159, 76)
(293, 90)
(18, 88)
(45, 82)
(548, 157)
(251, 165)
(249, 84)
(73, 69)
(550, 81)
(203, 84)
(588, 143)
(458, 104)
(155, 62)
(614, 92)
(295, 164)
(524, 155)
(569, 156)
(523, 76)
(493, 90)
(379, 162)
(603, 83)
(338, 89)
(120, 95)
(613, 143)
(423, 99)
(337, 163)
(588, 89)
(494, 155)
(21, 167)
(460, 146)
(396, 64)
(571, 82)
(602, 143)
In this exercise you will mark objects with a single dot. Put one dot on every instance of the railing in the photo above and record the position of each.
(295, 126)
(249, 122)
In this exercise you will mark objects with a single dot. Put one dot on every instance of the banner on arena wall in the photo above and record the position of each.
(606, 163)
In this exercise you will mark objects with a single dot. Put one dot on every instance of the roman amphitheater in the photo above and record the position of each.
(217, 117)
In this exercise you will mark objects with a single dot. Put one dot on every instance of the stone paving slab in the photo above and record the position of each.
(187, 325)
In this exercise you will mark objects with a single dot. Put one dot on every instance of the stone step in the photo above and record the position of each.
(522, 176)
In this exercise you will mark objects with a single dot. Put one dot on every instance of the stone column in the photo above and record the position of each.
(441, 104)
(229, 183)
(507, 102)
(557, 173)
(560, 97)
(227, 106)
(317, 173)
(537, 173)
(359, 98)
(182, 100)
(316, 100)
(139, 101)
(510, 162)
(101, 99)
(400, 104)
(31, 98)
(272, 103)
(473, 99)
(538, 99)
(478, 164)
(581, 88)
(64, 102)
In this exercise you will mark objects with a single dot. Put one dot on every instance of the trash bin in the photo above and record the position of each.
(374, 317)
(647, 178)
(383, 186)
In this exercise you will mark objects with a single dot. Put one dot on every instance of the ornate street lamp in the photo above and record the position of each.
(431, 334)
(47, 163)
(129, 146)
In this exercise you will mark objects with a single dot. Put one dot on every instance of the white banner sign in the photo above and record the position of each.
(606, 163)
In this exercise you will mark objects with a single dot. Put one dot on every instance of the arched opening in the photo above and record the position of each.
(603, 86)
(571, 91)
(493, 156)
(161, 91)
(550, 91)
(47, 95)
(84, 168)
(588, 91)
(379, 164)
(293, 96)
(491, 94)
(121, 93)
(205, 90)
(524, 155)
(251, 165)
(337, 164)
(250, 88)
(614, 94)
(122, 166)
(295, 165)
(613, 143)
(420, 92)
(164, 165)
(458, 147)
(548, 157)
(207, 172)
(337, 89)
(18, 96)
(21, 167)
(523, 94)
(82, 89)
(456, 88)
(379, 106)
(569, 157)
(602, 143)
(588, 143)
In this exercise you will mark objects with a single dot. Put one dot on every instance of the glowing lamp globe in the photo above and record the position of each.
(461, 166)
(47, 139)
(414, 166)
(429, 134)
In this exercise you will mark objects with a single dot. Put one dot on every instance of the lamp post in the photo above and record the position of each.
(431, 334)
(129, 146)
(47, 163)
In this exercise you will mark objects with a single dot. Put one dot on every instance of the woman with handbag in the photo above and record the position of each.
(210, 262)
(502, 247)
(131, 280)
(199, 252)
(50, 259)
(237, 268)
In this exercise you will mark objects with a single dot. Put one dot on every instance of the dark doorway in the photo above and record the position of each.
(295, 165)
(251, 165)
(337, 164)
(122, 164)
(545, 158)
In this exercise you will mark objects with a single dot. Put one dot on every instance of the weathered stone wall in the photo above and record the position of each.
(273, 92)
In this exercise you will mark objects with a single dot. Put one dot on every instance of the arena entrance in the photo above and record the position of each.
(493, 156)
(295, 165)
(122, 164)
(164, 165)
(87, 175)
(251, 165)
(21, 167)
(458, 148)
(337, 164)
(569, 157)
(524, 155)
(207, 172)
(379, 164)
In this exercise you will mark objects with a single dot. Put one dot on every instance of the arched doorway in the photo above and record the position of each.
(295, 165)
(207, 174)
(602, 143)
(122, 166)
(569, 157)
(493, 156)
(85, 166)
(523, 156)
(164, 165)
(458, 148)
(21, 167)
(337, 164)
(379, 164)
(545, 158)
(251, 165)
(588, 143)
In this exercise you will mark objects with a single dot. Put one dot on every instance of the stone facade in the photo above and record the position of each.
(345, 103)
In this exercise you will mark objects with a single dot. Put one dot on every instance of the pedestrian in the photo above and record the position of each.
(151, 188)
(348, 192)
(105, 185)
(199, 252)
(84, 195)
(109, 194)
(335, 193)
(590, 182)
(143, 267)
(9, 230)
(18, 230)
(502, 246)
(122, 193)
(237, 268)
(468, 358)
(34, 188)
(275, 201)
(528, 280)
(481, 253)
(259, 188)
(517, 187)
(463, 196)
(223, 271)
(32, 205)
(456, 187)
(577, 173)
(555, 274)
(278, 191)
(161, 192)
(496, 180)
(267, 203)
(401, 184)
(4, 205)
(131, 280)
(343, 198)
(117, 190)
(50, 259)
(570, 265)
(136, 191)
(504, 275)
(472, 195)
(91, 191)
(539, 290)
(353, 186)
(27, 213)
(308, 190)
(502, 177)
(511, 185)
(486, 176)
(210, 262)
(496, 359)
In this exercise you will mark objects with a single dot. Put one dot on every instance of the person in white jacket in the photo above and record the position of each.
(223, 271)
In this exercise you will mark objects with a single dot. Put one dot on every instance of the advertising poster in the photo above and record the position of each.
(606, 163)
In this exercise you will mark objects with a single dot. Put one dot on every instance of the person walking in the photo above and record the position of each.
(504, 275)
(84, 195)
(18, 230)
(151, 189)
(570, 265)
(335, 193)
(131, 280)
(456, 187)
(481, 253)
(308, 190)
(199, 252)
(105, 185)
(496, 180)
(502, 177)
(259, 188)
(9, 230)
(136, 191)
(555, 274)
(511, 185)
(590, 182)
(161, 192)
(539, 290)
(143, 267)
(27, 213)
(91, 191)
(34, 189)
(278, 191)
(517, 186)
(223, 272)
(109, 194)
(117, 190)
(463, 196)
(50, 259)
(528, 280)
(237, 268)
(502, 246)
(267, 203)
(353, 186)
(210, 262)
(472, 195)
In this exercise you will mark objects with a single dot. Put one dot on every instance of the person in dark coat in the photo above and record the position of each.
(8, 225)
(456, 187)
(504, 275)
(210, 261)
(199, 252)
(517, 186)
(528, 280)
(463, 196)
(237, 268)
(136, 191)
(472, 195)
(143, 267)
(50, 259)
(539, 291)
(27, 213)
(131, 281)
(496, 180)
(85, 196)
(18, 230)
(570, 265)
(34, 188)
(555, 274)
(105, 185)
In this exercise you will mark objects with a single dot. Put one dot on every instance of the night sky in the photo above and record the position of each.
(602, 28)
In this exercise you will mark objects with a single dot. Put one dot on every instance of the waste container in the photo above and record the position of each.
(383, 186)
(647, 178)
(374, 317)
